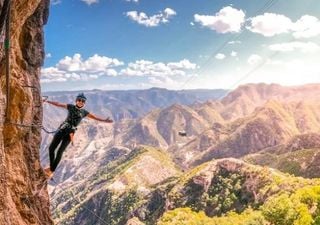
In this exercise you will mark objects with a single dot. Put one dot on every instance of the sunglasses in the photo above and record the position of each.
(81, 100)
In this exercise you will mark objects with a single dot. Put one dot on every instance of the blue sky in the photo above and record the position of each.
(180, 44)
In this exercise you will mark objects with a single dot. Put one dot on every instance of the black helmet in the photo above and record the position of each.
(81, 96)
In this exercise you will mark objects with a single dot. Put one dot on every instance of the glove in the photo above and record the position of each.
(108, 120)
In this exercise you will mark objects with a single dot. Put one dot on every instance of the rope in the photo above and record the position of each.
(49, 132)
(32, 125)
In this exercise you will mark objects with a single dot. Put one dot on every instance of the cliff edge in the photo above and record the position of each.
(21, 176)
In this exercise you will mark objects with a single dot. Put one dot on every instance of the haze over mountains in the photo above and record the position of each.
(269, 125)
(133, 103)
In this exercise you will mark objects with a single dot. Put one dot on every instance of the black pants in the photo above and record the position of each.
(62, 137)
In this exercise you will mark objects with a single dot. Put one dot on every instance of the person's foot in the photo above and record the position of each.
(48, 173)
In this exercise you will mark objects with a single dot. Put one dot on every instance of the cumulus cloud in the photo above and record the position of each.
(254, 59)
(136, 1)
(227, 20)
(90, 2)
(75, 68)
(93, 64)
(270, 24)
(306, 27)
(151, 21)
(220, 56)
(305, 47)
(158, 69)
(52, 74)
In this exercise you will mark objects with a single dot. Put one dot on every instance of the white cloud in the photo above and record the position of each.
(169, 12)
(151, 21)
(136, 1)
(306, 27)
(48, 55)
(158, 69)
(234, 53)
(75, 68)
(52, 74)
(305, 47)
(220, 56)
(90, 2)
(183, 64)
(227, 20)
(270, 24)
(94, 63)
(254, 59)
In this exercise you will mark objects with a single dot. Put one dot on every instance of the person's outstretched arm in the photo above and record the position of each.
(108, 120)
(58, 104)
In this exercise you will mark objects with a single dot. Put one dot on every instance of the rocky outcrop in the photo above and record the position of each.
(23, 195)
(113, 189)
(216, 188)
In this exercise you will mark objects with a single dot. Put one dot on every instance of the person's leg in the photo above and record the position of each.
(57, 138)
(65, 142)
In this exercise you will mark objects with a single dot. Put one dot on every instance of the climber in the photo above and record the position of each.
(67, 129)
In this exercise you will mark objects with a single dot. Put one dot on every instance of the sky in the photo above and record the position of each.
(180, 44)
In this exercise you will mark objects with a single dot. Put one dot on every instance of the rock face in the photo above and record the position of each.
(21, 175)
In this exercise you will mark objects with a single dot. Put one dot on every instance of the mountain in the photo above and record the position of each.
(213, 188)
(300, 156)
(269, 125)
(209, 135)
(130, 104)
(275, 130)
(246, 98)
(113, 188)
(128, 132)
(161, 127)
(228, 191)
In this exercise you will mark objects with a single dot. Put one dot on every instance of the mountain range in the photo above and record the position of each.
(115, 167)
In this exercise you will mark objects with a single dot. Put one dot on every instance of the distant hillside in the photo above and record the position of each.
(300, 156)
(113, 188)
(213, 189)
(271, 125)
(246, 98)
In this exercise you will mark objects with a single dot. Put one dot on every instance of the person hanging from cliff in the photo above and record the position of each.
(66, 130)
